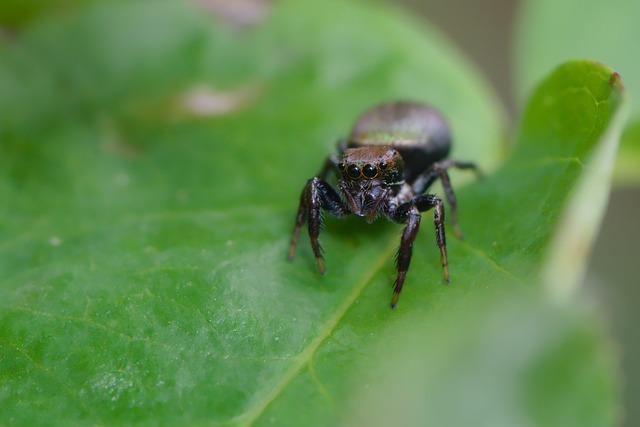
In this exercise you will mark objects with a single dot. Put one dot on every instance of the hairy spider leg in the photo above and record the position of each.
(330, 164)
(409, 212)
(439, 170)
(316, 196)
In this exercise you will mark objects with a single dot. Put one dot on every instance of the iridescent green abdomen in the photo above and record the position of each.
(419, 132)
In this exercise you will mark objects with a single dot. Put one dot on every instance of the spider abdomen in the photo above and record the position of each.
(419, 133)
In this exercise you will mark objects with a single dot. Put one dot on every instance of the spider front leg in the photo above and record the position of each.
(439, 170)
(316, 196)
(410, 212)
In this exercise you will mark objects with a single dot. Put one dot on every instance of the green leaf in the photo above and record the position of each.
(150, 173)
(511, 361)
(551, 32)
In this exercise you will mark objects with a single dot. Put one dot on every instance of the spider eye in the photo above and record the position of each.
(341, 166)
(369, 171)
(382, 165)
(353, 171)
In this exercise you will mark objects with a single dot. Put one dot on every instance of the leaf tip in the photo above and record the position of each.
(615, 81)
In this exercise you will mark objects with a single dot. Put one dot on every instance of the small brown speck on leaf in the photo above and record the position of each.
(8, 34)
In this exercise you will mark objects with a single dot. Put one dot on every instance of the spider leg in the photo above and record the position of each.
(330, 164)
(439, 170)
(409, 213)
(316, 196)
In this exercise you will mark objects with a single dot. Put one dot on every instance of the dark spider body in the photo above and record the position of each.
(394, 153)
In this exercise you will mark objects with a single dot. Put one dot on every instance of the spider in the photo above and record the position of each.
(395, 152)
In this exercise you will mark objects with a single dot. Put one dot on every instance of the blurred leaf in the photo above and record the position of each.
(150, 171)
(510, 361)
(16, 14)
(551, 32)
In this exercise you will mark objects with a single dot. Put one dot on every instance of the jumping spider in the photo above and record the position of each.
(395, 152)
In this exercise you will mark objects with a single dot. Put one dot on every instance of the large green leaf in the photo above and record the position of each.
(143, 276)
(551, 32)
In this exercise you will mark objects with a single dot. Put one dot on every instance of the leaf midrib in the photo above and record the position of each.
(307, 354)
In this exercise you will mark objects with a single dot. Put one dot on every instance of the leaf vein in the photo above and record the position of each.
(50, 373)
(493, 262)
(306, 355)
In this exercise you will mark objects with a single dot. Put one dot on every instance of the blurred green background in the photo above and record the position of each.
(485, 31)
